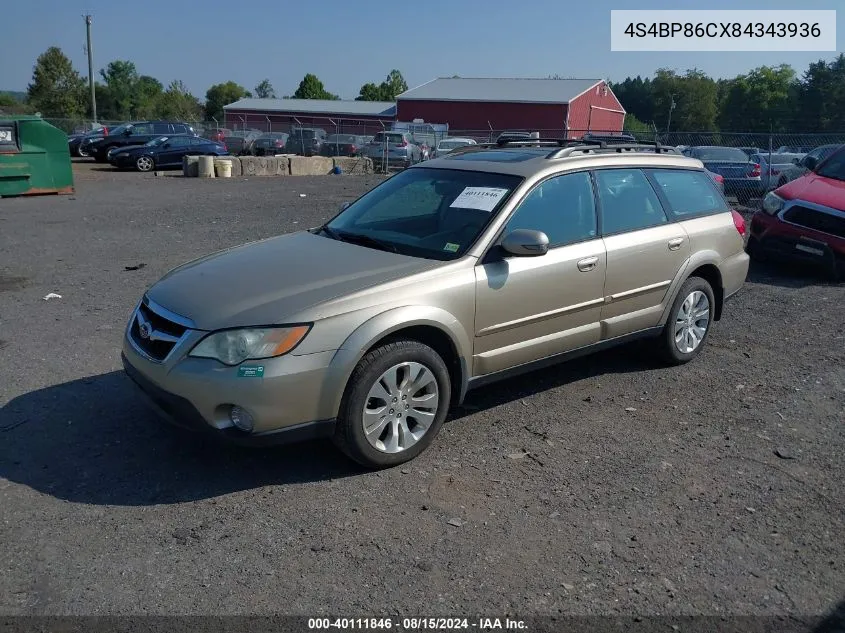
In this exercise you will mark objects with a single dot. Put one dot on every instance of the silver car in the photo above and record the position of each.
(448, 276)
(393, 149)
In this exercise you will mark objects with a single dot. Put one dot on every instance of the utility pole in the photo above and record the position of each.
(91, 68)
(671, 107)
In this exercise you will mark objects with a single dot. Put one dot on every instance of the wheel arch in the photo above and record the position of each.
(431, 326)
(702, 264)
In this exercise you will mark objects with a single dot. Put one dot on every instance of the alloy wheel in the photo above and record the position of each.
(692, 321)
(144, 163)
(400, 407)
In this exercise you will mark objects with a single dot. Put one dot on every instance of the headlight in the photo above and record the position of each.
(232, 347)
(772, 203)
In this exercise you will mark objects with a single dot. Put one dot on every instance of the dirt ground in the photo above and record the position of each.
(608, 485)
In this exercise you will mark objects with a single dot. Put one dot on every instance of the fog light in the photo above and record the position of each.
(242, 419)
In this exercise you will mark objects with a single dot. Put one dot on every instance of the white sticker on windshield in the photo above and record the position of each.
(482, 198)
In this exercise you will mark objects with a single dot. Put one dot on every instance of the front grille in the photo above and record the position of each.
(161, 327)
(817, 220)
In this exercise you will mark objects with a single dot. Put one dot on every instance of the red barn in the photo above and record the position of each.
(477, 107)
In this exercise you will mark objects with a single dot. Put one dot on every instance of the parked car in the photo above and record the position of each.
(770, 173)
(741, 174)
(306, 141)
(814, 156)
(448, 276)
(138, 133)
(446, 145)
(344, 145)
(751, 150)
(238, 142)
(268, 144)
(75, 141)
(804, 220)
(794, 149)
(394, 149)
(164, 151)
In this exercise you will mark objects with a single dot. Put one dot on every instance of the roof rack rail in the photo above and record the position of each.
(605, 148)
(564, 147)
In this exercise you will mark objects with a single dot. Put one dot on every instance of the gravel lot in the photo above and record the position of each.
(714, 488)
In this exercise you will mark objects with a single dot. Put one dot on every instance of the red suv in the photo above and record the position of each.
(804, 220)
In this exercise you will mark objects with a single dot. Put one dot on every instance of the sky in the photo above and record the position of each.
(348, 43)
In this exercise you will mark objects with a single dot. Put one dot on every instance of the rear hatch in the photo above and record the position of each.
(393, 142)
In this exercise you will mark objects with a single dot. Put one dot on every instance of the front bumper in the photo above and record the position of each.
(772, 237)
(290, 402)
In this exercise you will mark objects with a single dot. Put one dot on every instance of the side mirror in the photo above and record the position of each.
(344, 206)
(810, 162)
(127, 132)
(526, 243)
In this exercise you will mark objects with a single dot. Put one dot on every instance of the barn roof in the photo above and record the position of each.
(500, 90)
(316, 106)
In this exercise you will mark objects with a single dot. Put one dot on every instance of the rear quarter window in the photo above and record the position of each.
(688, 193)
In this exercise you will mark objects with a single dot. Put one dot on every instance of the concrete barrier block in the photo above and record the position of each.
(190, 166)
(310, 165)
(354, 166)
(236, 164)
(263, 166)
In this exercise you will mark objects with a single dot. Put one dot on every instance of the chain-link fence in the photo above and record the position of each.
(750, 163)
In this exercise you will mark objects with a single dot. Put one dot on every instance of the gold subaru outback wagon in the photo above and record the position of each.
(466, 269)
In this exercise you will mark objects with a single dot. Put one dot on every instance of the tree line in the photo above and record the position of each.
(57, 90)
(766, 99)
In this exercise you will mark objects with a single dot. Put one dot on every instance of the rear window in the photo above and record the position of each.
(689, 193)
(721, 153)
(390, 138)
(453, 144)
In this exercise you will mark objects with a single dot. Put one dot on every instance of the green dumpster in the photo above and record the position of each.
(34, 157)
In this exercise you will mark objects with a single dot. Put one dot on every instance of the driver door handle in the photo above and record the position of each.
(587, 264)
(675, 244)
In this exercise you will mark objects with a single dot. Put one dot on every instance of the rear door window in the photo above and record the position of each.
(628, 201)
(688, 193)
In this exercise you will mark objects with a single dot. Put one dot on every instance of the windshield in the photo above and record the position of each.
(721, 153)
(431, 213)
(452, 144)
(834, 167)
(156, 141)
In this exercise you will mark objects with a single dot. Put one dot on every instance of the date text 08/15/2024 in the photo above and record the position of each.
(417, 624)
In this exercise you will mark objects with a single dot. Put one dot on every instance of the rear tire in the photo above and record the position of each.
(374, 428)
(689, 322)
(145, 163)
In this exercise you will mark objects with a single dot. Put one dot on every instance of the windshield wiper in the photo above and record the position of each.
(331, 233)
(366, 240)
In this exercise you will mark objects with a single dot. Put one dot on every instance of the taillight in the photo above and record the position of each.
(353, 148)
(739, 222)
(755, 170)
(719, 178)
(402, 144)
(105, 131)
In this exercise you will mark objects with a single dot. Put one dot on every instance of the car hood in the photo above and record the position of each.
(267, 282)
(827, 192)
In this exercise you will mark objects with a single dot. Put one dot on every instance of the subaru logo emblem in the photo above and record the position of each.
(144, 330)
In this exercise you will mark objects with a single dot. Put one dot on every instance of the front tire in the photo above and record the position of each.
(689, 322)
(394, 405)
(145, 163)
